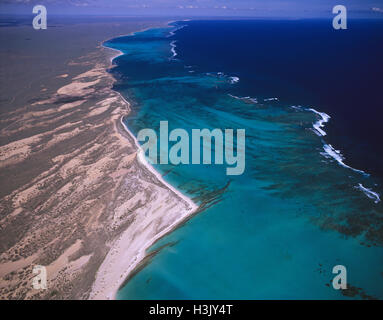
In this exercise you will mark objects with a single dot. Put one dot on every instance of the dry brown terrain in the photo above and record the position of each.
(71, 184)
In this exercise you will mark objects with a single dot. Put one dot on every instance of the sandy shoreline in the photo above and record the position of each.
(118, 271)
(124, 258)
(143, 161)
(115, 269)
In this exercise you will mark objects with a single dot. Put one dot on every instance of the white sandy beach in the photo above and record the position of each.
(166, 209)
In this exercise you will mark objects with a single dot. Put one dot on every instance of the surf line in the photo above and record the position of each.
(331, 152)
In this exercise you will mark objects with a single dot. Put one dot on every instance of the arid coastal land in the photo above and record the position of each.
(74, 195)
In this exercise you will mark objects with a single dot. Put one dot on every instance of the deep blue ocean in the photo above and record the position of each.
(309, 98)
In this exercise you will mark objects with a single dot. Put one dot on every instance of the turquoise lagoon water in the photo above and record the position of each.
(277, 230)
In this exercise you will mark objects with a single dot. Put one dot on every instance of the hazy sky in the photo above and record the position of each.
(256, 8)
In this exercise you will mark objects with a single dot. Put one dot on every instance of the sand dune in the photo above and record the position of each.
(77, 200)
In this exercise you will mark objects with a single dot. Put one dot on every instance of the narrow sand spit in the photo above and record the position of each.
(161, 217)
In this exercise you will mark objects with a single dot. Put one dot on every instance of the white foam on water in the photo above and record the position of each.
(253, 100)
(337, 155)
(330, 151)
(173, 49)
(320, 123)
(173, 32)
(369, 193)
(234, 79)
(239, 98)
